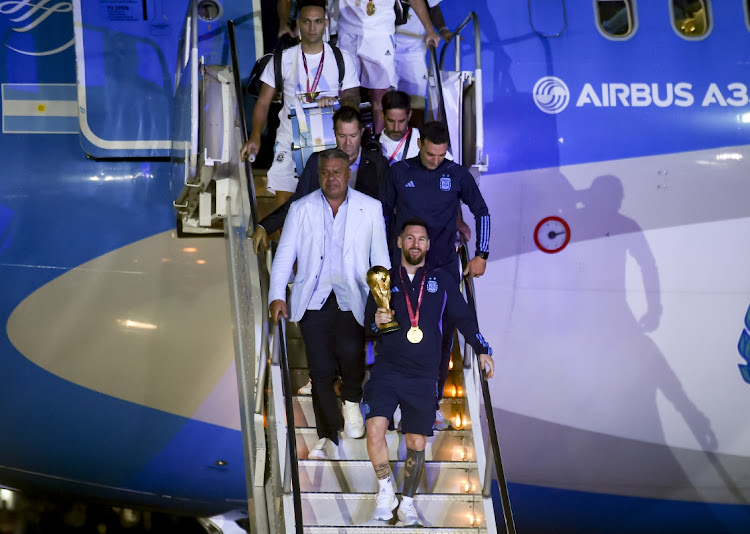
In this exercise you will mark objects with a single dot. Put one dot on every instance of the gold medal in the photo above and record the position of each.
(371, 12)
(311, 96)
(414, 335)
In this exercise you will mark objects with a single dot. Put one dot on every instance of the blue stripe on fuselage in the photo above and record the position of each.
(33, 91)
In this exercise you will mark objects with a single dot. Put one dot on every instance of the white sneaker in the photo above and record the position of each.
(407, 515)
(354, 427)
(306, 389)
(441, 423)
(323, 450)
(385, 504)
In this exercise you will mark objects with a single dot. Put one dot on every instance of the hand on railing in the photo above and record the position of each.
(475, 268)
(431, 38)
(250, 149)
(278, 310)
(260, 239)
(487, 365)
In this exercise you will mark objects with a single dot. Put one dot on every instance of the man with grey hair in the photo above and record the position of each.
(335, 234)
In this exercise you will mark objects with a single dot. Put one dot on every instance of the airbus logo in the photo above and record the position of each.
(551, 95)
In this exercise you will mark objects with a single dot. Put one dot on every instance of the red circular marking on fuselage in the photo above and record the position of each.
(567, 234)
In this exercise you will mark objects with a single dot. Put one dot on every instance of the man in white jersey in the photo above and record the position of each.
(303, 82)
(411, 70)
(366, 29)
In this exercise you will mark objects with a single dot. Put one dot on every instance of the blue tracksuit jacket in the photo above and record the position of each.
(441, 302)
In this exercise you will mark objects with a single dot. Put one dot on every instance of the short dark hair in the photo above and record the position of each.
(332, 153)
(347, 114)
(311, 3)
(435, 132)
(414, 221)
(396, 100)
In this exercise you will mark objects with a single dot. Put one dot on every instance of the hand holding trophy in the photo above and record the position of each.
(379, 280)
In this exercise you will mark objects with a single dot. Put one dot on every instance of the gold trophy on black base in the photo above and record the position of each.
(379, 280)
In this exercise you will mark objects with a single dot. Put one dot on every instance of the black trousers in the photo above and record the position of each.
(334, 342)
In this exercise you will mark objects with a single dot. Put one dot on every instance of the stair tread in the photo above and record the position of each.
(401, 530)
(441, 463)
(355, 510)
(419, 497)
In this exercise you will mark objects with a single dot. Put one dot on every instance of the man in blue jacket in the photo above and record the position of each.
(432, 188)
(407, 364)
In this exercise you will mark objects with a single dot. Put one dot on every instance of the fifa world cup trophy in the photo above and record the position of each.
(379, 280)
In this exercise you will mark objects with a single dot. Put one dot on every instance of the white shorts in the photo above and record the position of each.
(411, 70)
(374, 58)
(283, 171)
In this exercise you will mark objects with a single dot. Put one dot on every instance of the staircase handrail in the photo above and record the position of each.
(455, 38)
(434, 70)
(469, 292)
(243, 124)
(280, 357)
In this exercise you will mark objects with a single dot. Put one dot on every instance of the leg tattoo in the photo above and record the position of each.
(383, 471)
(412, 471)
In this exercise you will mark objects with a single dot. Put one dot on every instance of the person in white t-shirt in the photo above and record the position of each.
(303, 82)
(411, 69)
(398, 141)
(366, 29)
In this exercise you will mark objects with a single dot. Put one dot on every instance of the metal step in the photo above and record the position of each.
(356, 509)
(304, 415)
(358, 476)
(391, 530)
(444, 446)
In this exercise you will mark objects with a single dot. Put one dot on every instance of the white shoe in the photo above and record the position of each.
(323, 450)
(441, 423)
(407, 515)
(306, 389)
(354, 427)
(385, 504)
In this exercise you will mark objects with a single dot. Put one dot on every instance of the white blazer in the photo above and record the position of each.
(303, 238)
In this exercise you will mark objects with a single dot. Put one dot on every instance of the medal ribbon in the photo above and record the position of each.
(413, 318)
(311, 90)
(400, 144)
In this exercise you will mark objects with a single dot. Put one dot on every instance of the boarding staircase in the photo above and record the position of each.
(287, 492)
(338, 495)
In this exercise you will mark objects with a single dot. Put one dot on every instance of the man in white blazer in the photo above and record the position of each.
(335, 234)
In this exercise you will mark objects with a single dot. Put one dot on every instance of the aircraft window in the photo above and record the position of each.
(691, 17)
(615, 17)
(209, 10)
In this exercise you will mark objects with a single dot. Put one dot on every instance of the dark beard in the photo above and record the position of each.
(414, 261)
